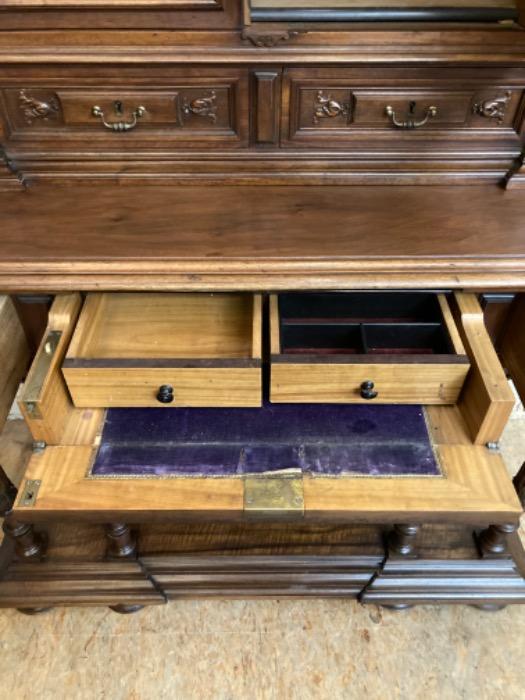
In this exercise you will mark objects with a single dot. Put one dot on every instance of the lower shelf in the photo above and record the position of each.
(241, 561)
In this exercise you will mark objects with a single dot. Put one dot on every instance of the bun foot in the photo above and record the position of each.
(34, 611)
(125, 609)
(489, 607)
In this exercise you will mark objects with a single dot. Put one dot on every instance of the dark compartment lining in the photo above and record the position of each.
(333, 323)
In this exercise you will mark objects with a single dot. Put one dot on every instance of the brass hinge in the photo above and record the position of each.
(30, 492)
(274, 497)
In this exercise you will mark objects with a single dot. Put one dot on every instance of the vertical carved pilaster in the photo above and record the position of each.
(492, 541)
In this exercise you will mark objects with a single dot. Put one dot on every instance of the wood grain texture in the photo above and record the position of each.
(476, 488)
(14, 356)
(324, 382)
(113, 387)
(162, 326)
(486, 400)
(260, 238)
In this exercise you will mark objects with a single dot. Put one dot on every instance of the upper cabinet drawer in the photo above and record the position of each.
(394, 347)
(189, 111)
(166, 350)
(343, 107)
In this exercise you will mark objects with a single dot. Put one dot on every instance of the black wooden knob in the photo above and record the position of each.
(165, 394)
(367, 390)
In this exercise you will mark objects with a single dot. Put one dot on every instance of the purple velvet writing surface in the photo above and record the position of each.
(318, 439)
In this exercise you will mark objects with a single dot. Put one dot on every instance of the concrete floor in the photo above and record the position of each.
(264, 649)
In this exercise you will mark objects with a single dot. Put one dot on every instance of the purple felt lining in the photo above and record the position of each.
(319, 439)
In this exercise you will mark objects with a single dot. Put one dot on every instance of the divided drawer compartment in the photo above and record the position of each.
(395, 347)
(166, 349)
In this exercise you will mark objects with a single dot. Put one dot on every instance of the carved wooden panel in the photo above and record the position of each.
(341, 105)
(185, 113)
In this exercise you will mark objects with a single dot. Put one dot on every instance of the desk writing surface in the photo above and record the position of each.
(125, 237)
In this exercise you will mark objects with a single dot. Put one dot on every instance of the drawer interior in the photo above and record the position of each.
(165, 326)
(396, 323)
(167, 350)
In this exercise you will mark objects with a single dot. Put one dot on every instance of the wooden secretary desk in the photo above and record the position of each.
(277, 250)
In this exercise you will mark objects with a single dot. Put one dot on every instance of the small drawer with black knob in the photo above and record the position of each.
(166, 349)
(383, 347)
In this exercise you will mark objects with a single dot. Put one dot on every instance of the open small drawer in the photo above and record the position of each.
(393, 347)
(144, 349)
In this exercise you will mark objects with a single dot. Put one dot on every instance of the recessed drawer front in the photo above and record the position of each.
(166, 350)
(344, 109)
(355, 347)
(186, 113)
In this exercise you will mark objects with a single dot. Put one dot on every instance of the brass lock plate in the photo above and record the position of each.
(274, 497)
(29, 492)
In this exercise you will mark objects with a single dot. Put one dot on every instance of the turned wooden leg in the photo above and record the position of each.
(28, 545)
(492, 541)
(121, 545)
(402, 544)
(402, 540)
(519, 484)
(7, 493)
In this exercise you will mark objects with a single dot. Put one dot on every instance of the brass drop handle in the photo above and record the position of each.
(410, 122)
(368, 390)
(139, 112)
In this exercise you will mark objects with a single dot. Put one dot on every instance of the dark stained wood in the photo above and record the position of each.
(496, 308)
(402, 540)
(261, 560)
(492, 541)
(33, 315)
(77, 583)
(8, 493)
(28, 544)
(519, 484)
(267, 88)
(220, 237)
(405, 582)
(121, 543)
(512, 344)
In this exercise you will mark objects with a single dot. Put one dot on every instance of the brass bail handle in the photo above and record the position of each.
(411, 122)
(120, 126)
